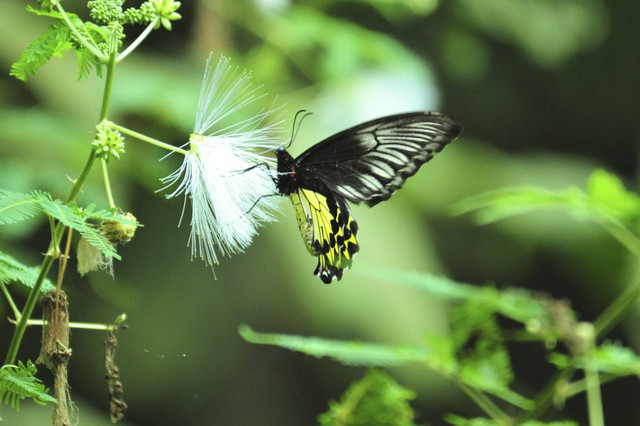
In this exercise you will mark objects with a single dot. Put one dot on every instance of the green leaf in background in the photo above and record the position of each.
(607, 191)
(607, 203)
(526, 24)
(377, 399)
(12, 270)
(18, 382)
(514, 303)
(461, 421)
(346, 352)
(610, 358)
(477, 338)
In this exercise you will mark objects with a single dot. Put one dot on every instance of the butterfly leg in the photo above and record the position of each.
(258, 200)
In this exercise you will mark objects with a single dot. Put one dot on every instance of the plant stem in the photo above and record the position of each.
(107, 185)
(139, 40)
(486, 404)
(12, 304)
(106, 94)
(89, 45)
(34, 295)
(616, 310)
(51, 254)
(594, 398)
(546, 396)
(147, 139)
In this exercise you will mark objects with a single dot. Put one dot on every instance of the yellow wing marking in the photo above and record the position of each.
(328, 231)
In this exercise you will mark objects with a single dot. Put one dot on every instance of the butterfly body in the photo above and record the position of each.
(363, 164)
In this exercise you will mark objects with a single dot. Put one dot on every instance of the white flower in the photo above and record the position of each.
(225, 173)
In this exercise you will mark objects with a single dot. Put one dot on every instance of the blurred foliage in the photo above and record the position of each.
(547, 91)
(474, 353)
(376, 399)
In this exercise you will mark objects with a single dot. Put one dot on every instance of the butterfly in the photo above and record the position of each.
(363, 164)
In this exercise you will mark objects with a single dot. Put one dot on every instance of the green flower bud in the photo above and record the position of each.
(108, 143)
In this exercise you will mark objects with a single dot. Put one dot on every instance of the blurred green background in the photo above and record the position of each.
(547, 91)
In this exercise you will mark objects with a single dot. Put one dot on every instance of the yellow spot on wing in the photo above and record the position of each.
(328, 231)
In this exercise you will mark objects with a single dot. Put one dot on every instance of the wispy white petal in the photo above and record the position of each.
(225, 174)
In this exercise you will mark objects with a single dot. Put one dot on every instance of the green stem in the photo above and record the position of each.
(616, 311)
(592, 380)
(12, 304)
(108, 84)
(107, 185)
(486, 404)
(89, 45)
(138, 40)
(580, 386)
(620, 233)
(34, 295)
(147, 139)
(49, 258)
(546, 396)
(51, 254)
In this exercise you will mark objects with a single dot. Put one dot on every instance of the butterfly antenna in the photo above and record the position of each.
(296, 127)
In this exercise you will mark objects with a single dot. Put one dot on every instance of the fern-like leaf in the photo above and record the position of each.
(18, 382)
(57, 39)
(346, 352)
(70, 216)
(53, 42)
(12, 270)
(16, 207)
(377, 399)
(461, 421)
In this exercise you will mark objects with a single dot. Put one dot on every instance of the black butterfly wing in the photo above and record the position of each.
(369, 162)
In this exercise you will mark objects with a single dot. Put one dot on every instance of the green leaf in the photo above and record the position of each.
(71, 216)
(609, 211)
(12, 270)
(514, 303)
(86, 60)
(500, 204)
(484, 360)
(346, 352)
(607, 191)
(18, 382)
(57, 39)
(441, 288)
(53, 42)
(51, 13)
(461, 421)
(16, 207)
(377, 399)
(610, 358)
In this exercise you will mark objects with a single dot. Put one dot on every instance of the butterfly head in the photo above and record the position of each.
(281, 151)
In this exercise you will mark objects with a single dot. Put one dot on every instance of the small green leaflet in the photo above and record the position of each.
(12, 270)
(376, 399)
(56, 40)
(16, 207)
(18, 382)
